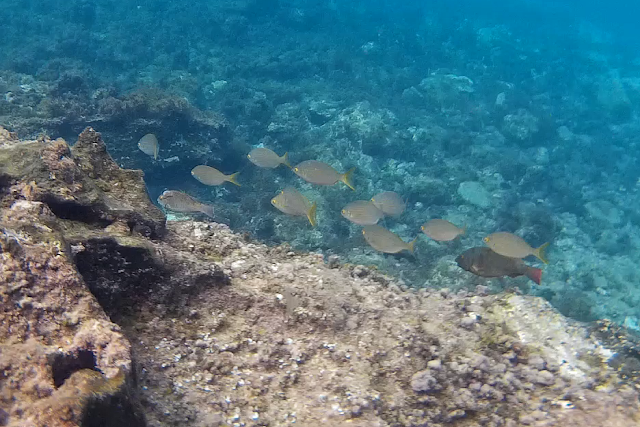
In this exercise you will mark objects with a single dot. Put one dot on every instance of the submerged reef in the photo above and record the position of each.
(518, 118)
(208, 327)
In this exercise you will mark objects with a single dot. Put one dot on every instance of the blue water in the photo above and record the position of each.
(536, 102)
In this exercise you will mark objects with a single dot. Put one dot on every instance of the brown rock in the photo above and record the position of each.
(51, 326)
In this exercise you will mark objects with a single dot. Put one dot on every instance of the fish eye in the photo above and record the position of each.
(486, 239)
(295, 169)
(273, 201)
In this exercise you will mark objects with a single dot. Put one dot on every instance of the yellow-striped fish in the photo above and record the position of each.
(389, 202)
(321, 173)
(385, 241)
(148, 144)
(508, 244)
(362, 212)
(178, 201)
(266, 158)
(292, 202)
(212, 176)
(442, 230)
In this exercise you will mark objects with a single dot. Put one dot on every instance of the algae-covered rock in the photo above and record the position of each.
(80, 183)
(52, 327)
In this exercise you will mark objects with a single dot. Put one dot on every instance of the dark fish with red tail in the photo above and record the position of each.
(484, 262)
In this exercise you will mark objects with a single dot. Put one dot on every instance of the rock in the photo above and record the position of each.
(536, 362)
(446, 87)
(604, 213)
(474, 193)
(612, 96)
(436, 364)
(81, 184)
(545, 378)
(520, 126)
(467, 322)
(52, 330)
(424, 382)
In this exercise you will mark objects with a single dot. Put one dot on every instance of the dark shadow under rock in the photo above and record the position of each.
(127, 274)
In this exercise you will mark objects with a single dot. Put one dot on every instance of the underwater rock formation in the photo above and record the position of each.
(227, 331)
(62, 359)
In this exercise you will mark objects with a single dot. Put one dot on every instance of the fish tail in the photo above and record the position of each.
(285, 160)
(412, 244)
(311, 214)
(464, 230)
(534, 274)
(207, 210)
(540, 253)
(233, 178)
(155, 152)
(346, 178)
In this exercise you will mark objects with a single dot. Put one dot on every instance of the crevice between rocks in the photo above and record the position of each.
(73, 211)
(120, 277)
(65, 364)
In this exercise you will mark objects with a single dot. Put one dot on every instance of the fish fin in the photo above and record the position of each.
(540, 253)
(411, 245)
(207, 210)
(464, 230)
(534, 274)
(346, 178)
(285, 160)
(311, 214)
(233, 178)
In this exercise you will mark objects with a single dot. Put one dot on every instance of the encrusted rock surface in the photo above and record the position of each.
(62, 359)
(294, 340)
(80, 183)
(52, 330)
(227, 331)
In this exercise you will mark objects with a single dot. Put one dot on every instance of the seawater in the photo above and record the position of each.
(517, 116)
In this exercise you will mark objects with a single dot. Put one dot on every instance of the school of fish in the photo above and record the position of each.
(501, 257)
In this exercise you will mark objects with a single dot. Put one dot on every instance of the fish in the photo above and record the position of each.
(212, 176)
(484, 262)
(389, 202)
(148, 144)
(266, 158)
(178, 201)
(442, 230)
(292, 202)
(321, 173)
(362, 212)
(385, 241)
(508, 244)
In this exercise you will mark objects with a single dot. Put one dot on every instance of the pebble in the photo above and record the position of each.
(536, 362)
(467, 322)
(545, 378)
(423, 382)
(434, 364)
